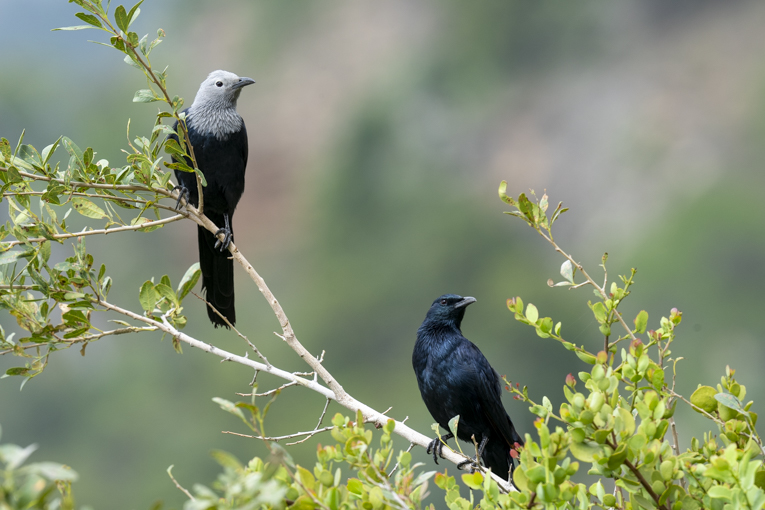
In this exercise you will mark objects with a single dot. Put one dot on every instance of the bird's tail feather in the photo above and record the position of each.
(496, 455)
(217, 276)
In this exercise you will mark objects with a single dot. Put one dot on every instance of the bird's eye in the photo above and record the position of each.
(443, 301)
(218, 83)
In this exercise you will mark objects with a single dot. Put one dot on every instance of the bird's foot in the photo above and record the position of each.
(437, 446)
(475, 465)
(228, 235)
(183, 194)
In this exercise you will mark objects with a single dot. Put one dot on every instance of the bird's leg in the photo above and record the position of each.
(183, 194)
(227, 234)
(476, 463)
(481, 447)
(437, 446)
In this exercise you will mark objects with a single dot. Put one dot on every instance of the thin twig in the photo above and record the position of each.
(308, 434)
(269, 392)
(78, 184)
(589, 279)
(98, 195)
(104, 231)
(260, 355)
(187, 493)
(324, 412)
(397, 465)
(87, 338)
(636, 472)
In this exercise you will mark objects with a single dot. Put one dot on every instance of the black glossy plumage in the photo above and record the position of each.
(455, 378)
(223, 164)
(221, 154)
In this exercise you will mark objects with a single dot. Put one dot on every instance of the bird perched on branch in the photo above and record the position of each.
(456, 379)
(219, 140)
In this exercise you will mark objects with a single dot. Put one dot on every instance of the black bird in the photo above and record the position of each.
(219, 140)
(456, 379)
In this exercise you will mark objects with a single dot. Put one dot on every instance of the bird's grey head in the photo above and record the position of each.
(214, 108)
(449, 309)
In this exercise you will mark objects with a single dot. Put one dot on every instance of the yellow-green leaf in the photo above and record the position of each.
(704, 398)
(87, 208)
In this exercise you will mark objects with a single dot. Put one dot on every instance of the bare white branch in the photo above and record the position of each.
(370, 415)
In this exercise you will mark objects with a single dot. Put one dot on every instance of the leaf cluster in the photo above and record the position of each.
(621, 422)
(43, 485)
(42, 193)
(280, 483)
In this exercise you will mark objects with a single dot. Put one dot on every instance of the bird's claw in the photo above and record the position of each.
(183, 194)
(475, 465)
(437, 446)
(227, 235)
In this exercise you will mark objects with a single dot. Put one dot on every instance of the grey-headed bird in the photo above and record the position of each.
(219, 140)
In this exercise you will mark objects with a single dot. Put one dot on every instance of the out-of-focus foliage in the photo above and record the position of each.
(280, 483)
(40, 485)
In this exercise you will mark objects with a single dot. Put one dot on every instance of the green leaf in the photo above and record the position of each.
(720, 492)
(473, 480)
(641, 321)
(78, 27)
(148, 296)
(704, 398)
(45, 252)
(229, 407)
(226, 459)
(558, 211)
(658, 379)
(729, 401)
(134, 12)
(532, 314)
(585, 451)
(87, 208)
(14, 456)
(17, 371)
(189, 280)
(145, 96)
(77, 332)
(89, 18)
(167, 293)
(9, 257)
(503, 193)
(453, 424)
(131, 61)
(5, 149)
(120, 15)
(586, 357)
(599, 309)
(567, 271)
(201, 177)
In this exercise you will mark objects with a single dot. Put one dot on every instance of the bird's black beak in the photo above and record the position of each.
(243, 82)
(465, 301)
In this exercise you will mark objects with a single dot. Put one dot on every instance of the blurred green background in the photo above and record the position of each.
(379, 132)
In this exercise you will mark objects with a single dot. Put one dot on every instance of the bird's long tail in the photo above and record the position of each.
(217, 275)
(497, 455)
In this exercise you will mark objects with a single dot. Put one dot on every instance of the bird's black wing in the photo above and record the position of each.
(488, 394)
